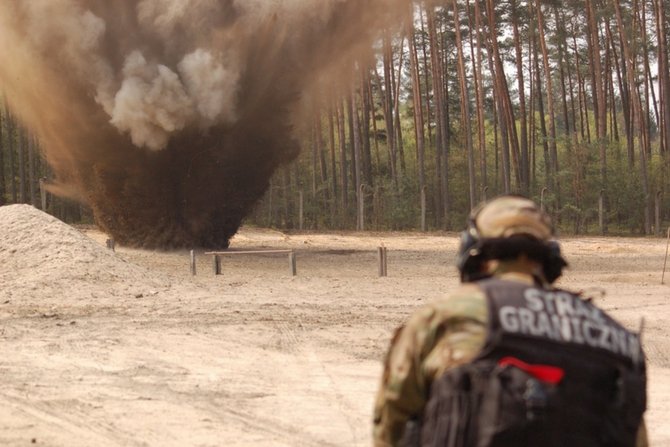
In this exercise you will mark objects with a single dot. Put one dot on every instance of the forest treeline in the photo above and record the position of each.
(23, 171)
(567, 102)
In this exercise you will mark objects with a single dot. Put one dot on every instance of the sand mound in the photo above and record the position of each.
(43, 257)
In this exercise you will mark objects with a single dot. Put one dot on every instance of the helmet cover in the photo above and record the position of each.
(504, 219)
(512, 215)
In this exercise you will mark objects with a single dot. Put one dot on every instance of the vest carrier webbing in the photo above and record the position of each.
(598, 400)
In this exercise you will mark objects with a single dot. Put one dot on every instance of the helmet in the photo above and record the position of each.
(504, 228)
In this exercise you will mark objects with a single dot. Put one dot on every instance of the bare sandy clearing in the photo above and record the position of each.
(129, 349)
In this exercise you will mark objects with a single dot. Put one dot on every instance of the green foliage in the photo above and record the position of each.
(394, 203)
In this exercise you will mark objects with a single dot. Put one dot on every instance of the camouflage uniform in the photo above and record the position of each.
(440, 336)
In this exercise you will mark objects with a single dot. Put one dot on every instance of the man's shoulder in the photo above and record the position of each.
(467, 301)
(465, 297)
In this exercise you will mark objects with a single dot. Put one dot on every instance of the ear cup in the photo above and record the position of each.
(555, 263)
(469, 254)
(502, 220)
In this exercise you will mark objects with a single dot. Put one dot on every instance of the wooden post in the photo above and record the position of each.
(111, 244)
(423, 209)
(43, 194)
(383, 262)
(301, 208)
(380, 261)
(217, 265)
(666, 257)
(658, 213)
(542, 193)
(292, 264)
(193, 268)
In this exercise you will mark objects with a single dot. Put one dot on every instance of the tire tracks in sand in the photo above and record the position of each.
(294, 340)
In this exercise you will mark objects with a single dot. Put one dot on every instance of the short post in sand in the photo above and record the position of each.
(383, 264)
(292, 264)
(193, 268)
(666, 257)
(217, 265)
(360, 223)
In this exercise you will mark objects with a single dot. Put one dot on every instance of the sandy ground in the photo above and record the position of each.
(150, 356)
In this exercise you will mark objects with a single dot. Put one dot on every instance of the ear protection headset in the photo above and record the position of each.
(474, 250)
(470, 257)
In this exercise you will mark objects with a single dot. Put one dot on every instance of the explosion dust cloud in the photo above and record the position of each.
(168, 117)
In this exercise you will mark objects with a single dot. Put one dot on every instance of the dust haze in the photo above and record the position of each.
(168, 117)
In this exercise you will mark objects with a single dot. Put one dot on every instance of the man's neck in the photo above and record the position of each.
(520, 269)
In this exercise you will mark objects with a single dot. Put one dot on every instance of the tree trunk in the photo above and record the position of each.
(466, 128)
(396, 107)
(426, 82)
(571, 89)
(638, 116)
(373, 137)
(553, 152)
(648, 79)
(357, 156)
(354, 139)
(560, 42)
(599, 112)
(438, 93)
(583, 120)
(388, 105)
(500, 142)
(366, 153)
(418, 107)
(507, 118)
(476, 55)
(614, 122)
(343, 155)
(525, 170)
(533, 89)
(664, 89)
(626, 102)
(333, 162)
(446, 131)
(315, 155)
(543, 124)
(663, 76)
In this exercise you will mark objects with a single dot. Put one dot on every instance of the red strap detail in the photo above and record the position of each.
(545, 373)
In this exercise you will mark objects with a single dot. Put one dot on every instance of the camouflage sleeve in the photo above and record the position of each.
(437, 337)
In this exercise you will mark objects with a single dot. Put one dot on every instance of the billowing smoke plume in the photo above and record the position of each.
(168, 117)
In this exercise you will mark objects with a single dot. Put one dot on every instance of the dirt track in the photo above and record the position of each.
(255, 357)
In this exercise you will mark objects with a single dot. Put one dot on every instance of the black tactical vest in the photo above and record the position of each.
(555, 371)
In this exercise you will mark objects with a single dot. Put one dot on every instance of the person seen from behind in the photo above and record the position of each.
(507, 359)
